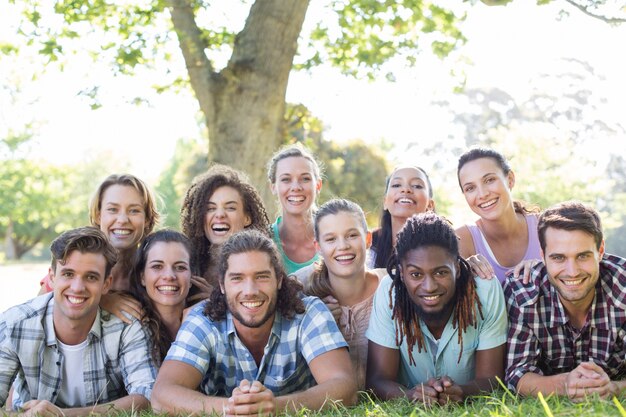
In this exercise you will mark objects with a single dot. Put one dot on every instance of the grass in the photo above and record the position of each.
(498, 404)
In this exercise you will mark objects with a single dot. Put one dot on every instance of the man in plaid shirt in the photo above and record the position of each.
(255, 347)
(567, 326)
(65, 355)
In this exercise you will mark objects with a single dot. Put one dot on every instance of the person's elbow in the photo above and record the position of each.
(158, 400)
(347, 395)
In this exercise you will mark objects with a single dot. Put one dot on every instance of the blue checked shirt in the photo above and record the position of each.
(116, 363)
(541, 338)
(216, 351)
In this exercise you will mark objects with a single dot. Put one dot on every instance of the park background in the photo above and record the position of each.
(90, 88)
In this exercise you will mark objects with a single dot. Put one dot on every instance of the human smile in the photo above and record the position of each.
(220, 229)
(488, 204)
(406, 200)
(572, 282)
(252, 304)
(74, 300)
(431, 300)
(121, 232)
(345, 259)
(296, 199)
(167, 288)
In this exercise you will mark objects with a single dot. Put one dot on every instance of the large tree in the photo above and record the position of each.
(243, 101)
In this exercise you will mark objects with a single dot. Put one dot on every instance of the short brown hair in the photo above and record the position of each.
(570, 215)
(289, 302)
(128, 180)
(87, 239)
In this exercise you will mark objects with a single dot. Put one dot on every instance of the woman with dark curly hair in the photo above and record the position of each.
(218, 204)
(160, 280)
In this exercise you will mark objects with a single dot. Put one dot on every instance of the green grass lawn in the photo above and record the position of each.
(498, 404)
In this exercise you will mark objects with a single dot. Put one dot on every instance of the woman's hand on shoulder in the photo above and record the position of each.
(118, 303)
(481, 267)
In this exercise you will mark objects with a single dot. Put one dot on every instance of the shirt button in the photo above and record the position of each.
(54, 393)
(58, 363)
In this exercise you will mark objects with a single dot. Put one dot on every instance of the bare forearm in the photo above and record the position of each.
(531, 384)
(174, 399)
(479, 386)
(342, 390)
(386, 389)
(133, 402)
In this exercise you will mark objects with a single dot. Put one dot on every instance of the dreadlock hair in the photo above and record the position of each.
(194, 208)
(161, 339)
(473, 154)
(288, 301)
(423, 230)
(319, 283)
(382, 238)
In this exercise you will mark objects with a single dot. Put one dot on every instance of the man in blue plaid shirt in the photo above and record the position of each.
(66, 356)
(255, 347)
(567, 326)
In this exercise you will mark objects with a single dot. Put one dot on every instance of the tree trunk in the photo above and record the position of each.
(244, 104)
(9, 244)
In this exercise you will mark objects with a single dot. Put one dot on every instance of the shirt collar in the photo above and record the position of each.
(51, 337)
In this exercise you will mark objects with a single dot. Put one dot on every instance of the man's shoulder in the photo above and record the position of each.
(29, 312)
(613, 277)
(522, 295)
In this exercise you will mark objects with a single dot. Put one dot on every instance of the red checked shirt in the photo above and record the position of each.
(542, 340)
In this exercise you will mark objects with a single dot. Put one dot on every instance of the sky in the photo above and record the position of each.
(506, 46)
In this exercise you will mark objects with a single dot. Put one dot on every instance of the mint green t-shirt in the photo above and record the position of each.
(490, 333)
(290, 266)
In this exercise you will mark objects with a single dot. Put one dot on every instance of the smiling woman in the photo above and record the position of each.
(505, 235)
(296, 180)
(218, 204)
(160, 280)
(408, 192)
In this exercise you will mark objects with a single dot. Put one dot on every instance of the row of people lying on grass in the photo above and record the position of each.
(222, 202)
(436, 334)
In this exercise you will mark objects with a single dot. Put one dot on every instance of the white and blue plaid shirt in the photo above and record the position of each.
(215, 350)
(117, 359)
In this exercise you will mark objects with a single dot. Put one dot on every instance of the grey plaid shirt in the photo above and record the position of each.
(541, 339)
(117, 359)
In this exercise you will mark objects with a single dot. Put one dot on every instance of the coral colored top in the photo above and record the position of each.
(533, 250)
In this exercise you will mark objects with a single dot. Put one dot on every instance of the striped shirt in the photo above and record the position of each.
(116, 360)
(215, 350)
(541, 338)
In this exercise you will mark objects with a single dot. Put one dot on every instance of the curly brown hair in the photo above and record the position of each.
(195, 205)
(288, 302)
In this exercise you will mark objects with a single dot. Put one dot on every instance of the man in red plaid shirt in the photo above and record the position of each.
(567, 326)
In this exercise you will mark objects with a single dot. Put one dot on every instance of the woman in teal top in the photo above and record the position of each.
(296, 180)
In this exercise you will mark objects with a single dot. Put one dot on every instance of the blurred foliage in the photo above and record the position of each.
(35, 201)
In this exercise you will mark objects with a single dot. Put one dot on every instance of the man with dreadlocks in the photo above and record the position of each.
(568, 325)
(436, 333)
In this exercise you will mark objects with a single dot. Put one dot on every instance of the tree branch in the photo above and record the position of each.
(606, 19)
(192, 45)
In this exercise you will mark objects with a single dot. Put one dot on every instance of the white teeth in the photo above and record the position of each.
(220, 227)
(122, 232)
(572, 283)
(167, 288)
(76, 300)
(488, 203)
(345, 257)
(295, 199)
(431, 298)
(406, 201)
(252, 304)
